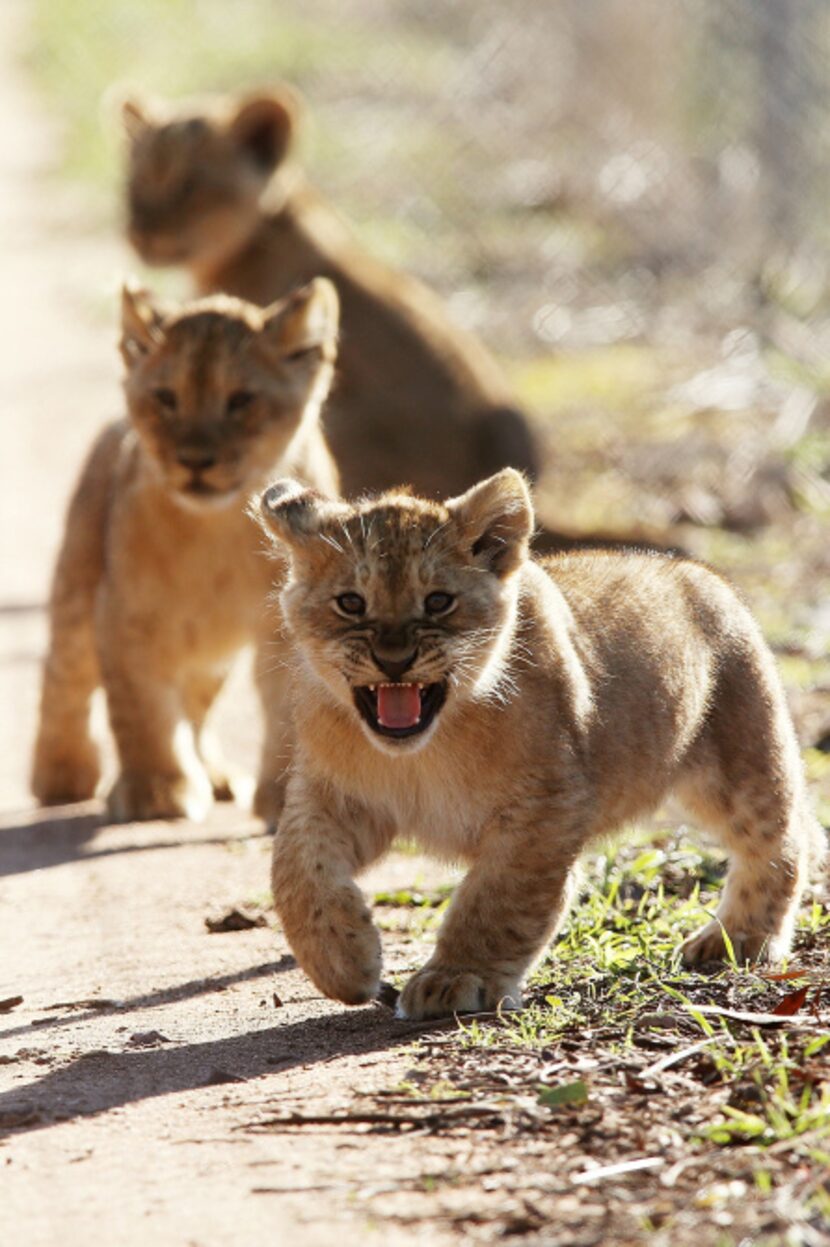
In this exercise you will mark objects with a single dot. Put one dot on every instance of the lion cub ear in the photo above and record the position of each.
(122, 106)
(495, 519)
(294, 515)
(142, 323)
(305, 322)
(264, 126)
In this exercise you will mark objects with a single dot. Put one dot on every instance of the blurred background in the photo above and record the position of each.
(626, 199)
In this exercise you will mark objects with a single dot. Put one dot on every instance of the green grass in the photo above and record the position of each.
(177, 48)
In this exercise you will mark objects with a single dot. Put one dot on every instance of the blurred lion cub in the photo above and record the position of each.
(161, 578)
(507, 712)
(214, 186)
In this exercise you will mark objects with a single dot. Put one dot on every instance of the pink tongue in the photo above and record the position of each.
(399, 705)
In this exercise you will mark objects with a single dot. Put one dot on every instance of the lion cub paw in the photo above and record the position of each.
(65, 780)
(708, 944)
(444, 990)
(138, 798)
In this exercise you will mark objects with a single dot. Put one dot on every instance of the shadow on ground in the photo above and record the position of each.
(37, 839)
(101, 1080)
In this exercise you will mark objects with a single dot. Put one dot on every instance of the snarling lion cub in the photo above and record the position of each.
(161, 578)
(507, 712)
(215, 186)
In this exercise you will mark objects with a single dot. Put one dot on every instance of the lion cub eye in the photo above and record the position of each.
(351, 604)
(165, 399)
(238, 400)
(438, 603)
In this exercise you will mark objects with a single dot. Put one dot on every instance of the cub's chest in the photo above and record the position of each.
(428, 797)
(208, 574)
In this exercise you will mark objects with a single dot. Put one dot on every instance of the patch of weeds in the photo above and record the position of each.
(414, 898)
(795, 1119)
(415, 911)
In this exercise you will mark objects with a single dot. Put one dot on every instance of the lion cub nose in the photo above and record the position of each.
(195, 457)
(394, 667)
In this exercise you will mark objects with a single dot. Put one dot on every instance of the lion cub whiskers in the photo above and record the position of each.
(508, 712)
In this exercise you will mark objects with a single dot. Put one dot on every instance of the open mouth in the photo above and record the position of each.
(399, 710)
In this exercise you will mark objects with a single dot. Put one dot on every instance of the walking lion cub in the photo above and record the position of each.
(508, 712)
(162, 578)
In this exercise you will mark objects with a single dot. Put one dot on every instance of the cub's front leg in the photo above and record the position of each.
(161, 774)
(273, 679)
(322, 841)
(504, 912)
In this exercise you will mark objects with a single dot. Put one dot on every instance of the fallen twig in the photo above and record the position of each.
(624, 1166)
(674, 1058)
(757, 1019)
(346, 1118)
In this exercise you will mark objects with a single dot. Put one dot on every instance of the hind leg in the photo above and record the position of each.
(65, 767)
(229, 782)
(764, 823)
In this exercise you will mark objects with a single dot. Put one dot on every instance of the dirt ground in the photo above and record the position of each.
(161, 1082)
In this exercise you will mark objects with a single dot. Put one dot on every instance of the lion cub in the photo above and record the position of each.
(508, 712)
(214, 186)
(161, 578)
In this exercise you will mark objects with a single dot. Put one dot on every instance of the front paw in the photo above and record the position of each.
(709, 944)
(338, 947)
(63, 780)
(138, 798)
(440, 991)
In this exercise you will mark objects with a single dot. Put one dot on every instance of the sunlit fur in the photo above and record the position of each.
(162, 577)
(583, 691)
(214, 185)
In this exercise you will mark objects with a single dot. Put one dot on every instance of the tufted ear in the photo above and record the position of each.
(142, 323)
(264, 126)
(306, 321)
(495, 521)
(294, 515)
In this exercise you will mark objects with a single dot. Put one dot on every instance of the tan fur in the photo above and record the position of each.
(214, 187)
(162, 576)
(580, 693)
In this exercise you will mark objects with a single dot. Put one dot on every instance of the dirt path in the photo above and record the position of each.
(136, 1073)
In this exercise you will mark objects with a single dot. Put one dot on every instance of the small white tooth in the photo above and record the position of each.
(373, 688)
